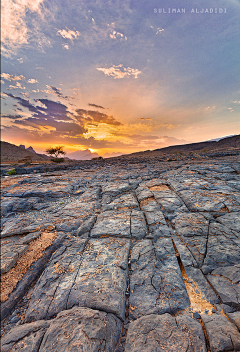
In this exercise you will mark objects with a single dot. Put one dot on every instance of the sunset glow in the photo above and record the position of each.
(118, 77)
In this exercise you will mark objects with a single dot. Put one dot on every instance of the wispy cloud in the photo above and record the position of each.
(96, 106)
(26, 95)
(65, 46)
(96, 117)
(16, 30)
(17, 86)
(32, 80)
(9, 77)
(68, 34)
(117, 35)
(119, 71)
(144, 118)
(159, 30)
(55, 91)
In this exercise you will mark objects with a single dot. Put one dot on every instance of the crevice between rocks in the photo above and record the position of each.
(206, 246)
(122, 340)
(207, 340)
(198, 302)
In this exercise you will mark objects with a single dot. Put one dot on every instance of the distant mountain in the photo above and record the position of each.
(82, 155)
(210, 146)
(218, 139)
(12, 153)
(29, 148)
(112, 155)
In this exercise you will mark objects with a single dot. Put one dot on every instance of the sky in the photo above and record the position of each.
(119, 76)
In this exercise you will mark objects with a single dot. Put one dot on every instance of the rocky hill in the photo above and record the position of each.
(224, 145)
(12, 153)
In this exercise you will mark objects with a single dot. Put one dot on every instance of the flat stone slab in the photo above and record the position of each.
(127, 200)
(113, 223)
(26, 337)
(156, 283)
(94, 276)
(162, 333)
(226, 281)
(53, 189)
(223, 248)
(223, 335)
(193, 230)
(9, 255)
(125, 223)
(231, 220)
(207, 200)
(77, 329)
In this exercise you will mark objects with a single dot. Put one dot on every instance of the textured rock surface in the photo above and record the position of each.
(165, 333)
(146, 257)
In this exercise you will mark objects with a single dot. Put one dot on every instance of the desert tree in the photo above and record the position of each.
(55, 151)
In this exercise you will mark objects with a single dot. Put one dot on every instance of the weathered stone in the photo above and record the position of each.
(9, 255)
(118, 202)
(52, 289)
(143, 193)
(165, 333)
(138, 225)
(74, 278)
(207, 200)
(226, 281)
(32, 273)
(156, 283)
(112, 223)
(26, 337)
(86, 226)
(82, 329)
(114, 189)
(193, 229)
(223, 335)
(101, 280)
(150, 234)
(223, 248)
(231, 220)
(235, 318)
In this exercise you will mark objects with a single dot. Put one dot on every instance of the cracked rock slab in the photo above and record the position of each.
(53, 287)
(160, 333)
(226, 281)
(82, 329)
(156, 283)
(26, 337)
(112, 223)
(123, 201)
(101, 280)
(95, 278)
(223, 335)
(193, 229)
(223, 248)
(77, 329)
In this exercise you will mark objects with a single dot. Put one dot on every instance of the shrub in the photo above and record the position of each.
(98, 158)
(11, 172)
(57, 160)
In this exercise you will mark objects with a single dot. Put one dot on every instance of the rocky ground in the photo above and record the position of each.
(132, 256)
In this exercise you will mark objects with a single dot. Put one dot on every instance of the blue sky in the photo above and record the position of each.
(119, 76)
